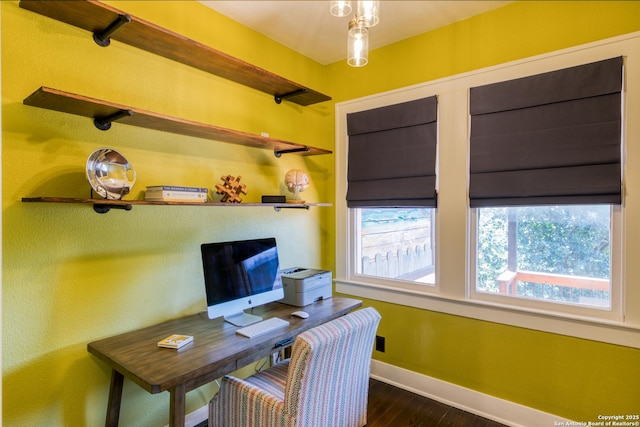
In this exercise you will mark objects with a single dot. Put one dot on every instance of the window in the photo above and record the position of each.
(545, 171)
(559, 254)
(596, 151)
(392, 190)
(395, 243)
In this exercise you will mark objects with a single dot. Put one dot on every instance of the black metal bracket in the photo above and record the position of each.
(104, 38)
(279, 208)
(279, 153)
(104, 123)
(103, 208)
(279, 98)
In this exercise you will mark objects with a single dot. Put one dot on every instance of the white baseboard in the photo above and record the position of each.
(484, 405)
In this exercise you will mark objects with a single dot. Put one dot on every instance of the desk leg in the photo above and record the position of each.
(115, 397)
(176, 406)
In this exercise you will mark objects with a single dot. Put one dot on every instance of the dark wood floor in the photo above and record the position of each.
(392, 406)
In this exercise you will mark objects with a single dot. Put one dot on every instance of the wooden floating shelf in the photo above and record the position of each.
(57, 100)
(126, 204)
(99, 18)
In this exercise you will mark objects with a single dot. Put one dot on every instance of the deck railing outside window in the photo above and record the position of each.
(550, 253)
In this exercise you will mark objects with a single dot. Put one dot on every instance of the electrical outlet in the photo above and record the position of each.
(380, 343)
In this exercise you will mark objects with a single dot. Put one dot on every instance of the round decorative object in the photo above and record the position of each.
(296, 181)
(110, 174)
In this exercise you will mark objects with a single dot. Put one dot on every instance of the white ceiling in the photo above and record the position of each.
(308, 28)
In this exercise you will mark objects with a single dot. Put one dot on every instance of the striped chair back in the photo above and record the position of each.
(328, 376)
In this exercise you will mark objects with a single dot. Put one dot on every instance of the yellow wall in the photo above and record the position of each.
(518, 30)
(569, 377)
(71, 276)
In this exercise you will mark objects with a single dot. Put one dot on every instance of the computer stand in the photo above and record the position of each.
(242, 319)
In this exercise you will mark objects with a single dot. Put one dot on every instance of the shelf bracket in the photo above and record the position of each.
(104, 38)
(279, 153)
(279, 98)
(279, 208)
(103, 208)
(104, 123)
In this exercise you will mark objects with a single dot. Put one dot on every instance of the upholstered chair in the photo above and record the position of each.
(325, 383)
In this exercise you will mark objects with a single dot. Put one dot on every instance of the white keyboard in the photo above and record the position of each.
(262, 327)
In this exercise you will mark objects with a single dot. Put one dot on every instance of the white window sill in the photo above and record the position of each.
(606, 331)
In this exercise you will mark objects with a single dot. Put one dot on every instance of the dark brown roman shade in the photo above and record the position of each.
(552, 138)
(392, 155)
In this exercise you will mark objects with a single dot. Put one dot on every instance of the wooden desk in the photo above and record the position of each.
(216, 351)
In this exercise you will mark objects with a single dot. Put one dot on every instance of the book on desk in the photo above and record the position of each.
(175, 341)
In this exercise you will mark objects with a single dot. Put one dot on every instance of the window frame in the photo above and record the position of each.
(451, 293)
(614, 313)
(384, 282)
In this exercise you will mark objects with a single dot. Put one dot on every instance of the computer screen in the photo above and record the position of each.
(239, 275)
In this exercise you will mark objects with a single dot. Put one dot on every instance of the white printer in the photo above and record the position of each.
(304, 286)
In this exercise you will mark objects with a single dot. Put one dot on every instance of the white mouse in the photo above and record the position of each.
(300, 314)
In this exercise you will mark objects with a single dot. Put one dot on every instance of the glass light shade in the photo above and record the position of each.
(340, 8)
(369, 12)
(358, 45)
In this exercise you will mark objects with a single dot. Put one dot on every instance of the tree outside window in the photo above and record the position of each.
(552, 253)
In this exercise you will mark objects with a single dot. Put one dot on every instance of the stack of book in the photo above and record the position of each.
(175, 341)
(172, 193)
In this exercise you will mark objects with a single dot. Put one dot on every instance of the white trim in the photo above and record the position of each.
(484, 405)
(449, 295)
(605, 331)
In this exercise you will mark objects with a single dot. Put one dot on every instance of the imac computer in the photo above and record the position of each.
(240, 275)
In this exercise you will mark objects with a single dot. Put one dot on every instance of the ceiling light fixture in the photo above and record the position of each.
(357, 44)
(369, 11)
(340, 8)
(367, 15)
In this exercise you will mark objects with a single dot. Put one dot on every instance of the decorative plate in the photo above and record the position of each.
(110, 174)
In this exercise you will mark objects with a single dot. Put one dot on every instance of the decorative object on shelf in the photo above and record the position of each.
(231, 189)
(296, 181)
(110, 174)
(367, 15)
(277, 198)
